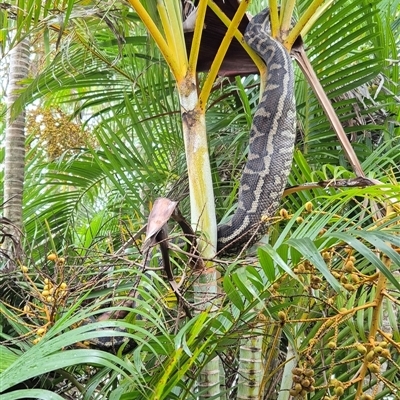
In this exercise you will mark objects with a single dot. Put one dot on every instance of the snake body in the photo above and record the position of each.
(272, 138)
(270, 157)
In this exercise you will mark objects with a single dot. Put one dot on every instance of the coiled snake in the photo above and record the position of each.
(271, 147)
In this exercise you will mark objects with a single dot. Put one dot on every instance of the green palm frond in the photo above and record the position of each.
(139, 153)
(313, 289)
(317, 243)
(349, 49)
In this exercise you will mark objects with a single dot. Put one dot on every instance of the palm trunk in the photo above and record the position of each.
(203, 219)
(251, 368)
(15, 147)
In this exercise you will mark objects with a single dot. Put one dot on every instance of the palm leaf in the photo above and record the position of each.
(346, 49)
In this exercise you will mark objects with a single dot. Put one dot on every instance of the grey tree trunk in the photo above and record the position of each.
(14, 151)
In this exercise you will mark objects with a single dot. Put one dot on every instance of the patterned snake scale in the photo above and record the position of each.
(272, 138)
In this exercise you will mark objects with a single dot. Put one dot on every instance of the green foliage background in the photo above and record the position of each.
(85, 205)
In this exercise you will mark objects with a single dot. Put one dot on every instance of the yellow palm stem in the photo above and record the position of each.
(310, 23)
(287, 17)
(175, 28)
(226, 21)
(232, 27)
(376, 315)
(274, 16)
(169, 34)
(302, 22)
(168, 55)
(198, 30)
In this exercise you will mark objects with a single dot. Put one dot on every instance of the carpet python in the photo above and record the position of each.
(272, 138)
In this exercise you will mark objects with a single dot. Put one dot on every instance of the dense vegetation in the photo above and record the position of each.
(312, 312)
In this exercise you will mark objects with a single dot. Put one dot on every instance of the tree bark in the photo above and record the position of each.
(15, 150)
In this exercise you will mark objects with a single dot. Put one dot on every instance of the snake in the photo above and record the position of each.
(271, 144)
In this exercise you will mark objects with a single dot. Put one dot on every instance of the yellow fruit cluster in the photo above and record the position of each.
(56, 259)
(285, 215)
(51, 293)
(338, 388)
(306, 268)
(51, 296)
(380, 349)
(56, 132)
(303, 382)
(348, 275)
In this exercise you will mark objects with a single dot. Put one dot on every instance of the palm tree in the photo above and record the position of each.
(14, 162)
(316, 291)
